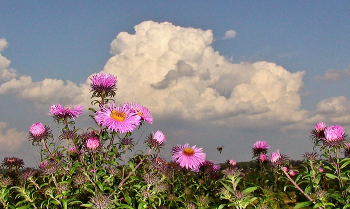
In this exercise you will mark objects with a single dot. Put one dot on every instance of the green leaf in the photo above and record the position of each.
(221, 206)
(249, 190)
(331, 176)
(88, 205)
(345, 164)
(302, 204)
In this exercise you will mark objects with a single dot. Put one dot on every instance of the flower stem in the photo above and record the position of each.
(296, 186)
(47, 148)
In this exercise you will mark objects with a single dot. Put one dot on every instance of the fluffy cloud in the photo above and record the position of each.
(6, 73)
(46, 92)
(11, 139)
(176, 73)
(230, 34)
(335, 75)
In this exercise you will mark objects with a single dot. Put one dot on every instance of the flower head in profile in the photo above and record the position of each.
(156, 140)
(60, 112)
(142, 111)
(334, 135)
(188, 157)
(260, 147)
(119, 119)
(38, 132)
(318, 133)
(103, 85)
(277, 158)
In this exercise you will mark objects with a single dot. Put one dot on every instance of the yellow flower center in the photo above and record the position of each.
(188, 151)
(118, 116)
(138, 112)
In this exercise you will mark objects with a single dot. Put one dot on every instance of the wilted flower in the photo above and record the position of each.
(68, 134)
(119, 119)
(142, 111)
(100, 201)
(92, 144)
(29, 172)
(260, 147)
(5, 181)
(310, 156)
(13, 162)
(60, 112)
(38, 132)
(103, 85)
(150, 178)
(48, 167)
(189, 157)
(79, 178)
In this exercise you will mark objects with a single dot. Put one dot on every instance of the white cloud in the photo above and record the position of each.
(230, 34)
(11, 139)
(175, 72)
(5, 72)
(46, 92)
(209, 88)
(335, 75)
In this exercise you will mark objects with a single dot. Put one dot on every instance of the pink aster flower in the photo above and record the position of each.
(37, 129)
(142, 111)
(260, 147)
(38, 132)
(320, 169)
(60, 112)
(276, 158)
(232, 163)
(189, 157)
(92, 144)
(119, 119)
(263, 157)
(103, 84)
(159, 137)
(320, 127)
(292, 173)
(334, 134)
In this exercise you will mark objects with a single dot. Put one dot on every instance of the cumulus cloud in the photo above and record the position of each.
(46, 92)
(175, 72)
(230, 34)
(10, 138)
(6, 73)
(335, 75)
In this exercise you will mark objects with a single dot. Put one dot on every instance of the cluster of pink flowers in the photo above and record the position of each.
(260, 150)
(329, 136)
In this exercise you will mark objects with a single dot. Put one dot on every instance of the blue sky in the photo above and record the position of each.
(286, 55)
